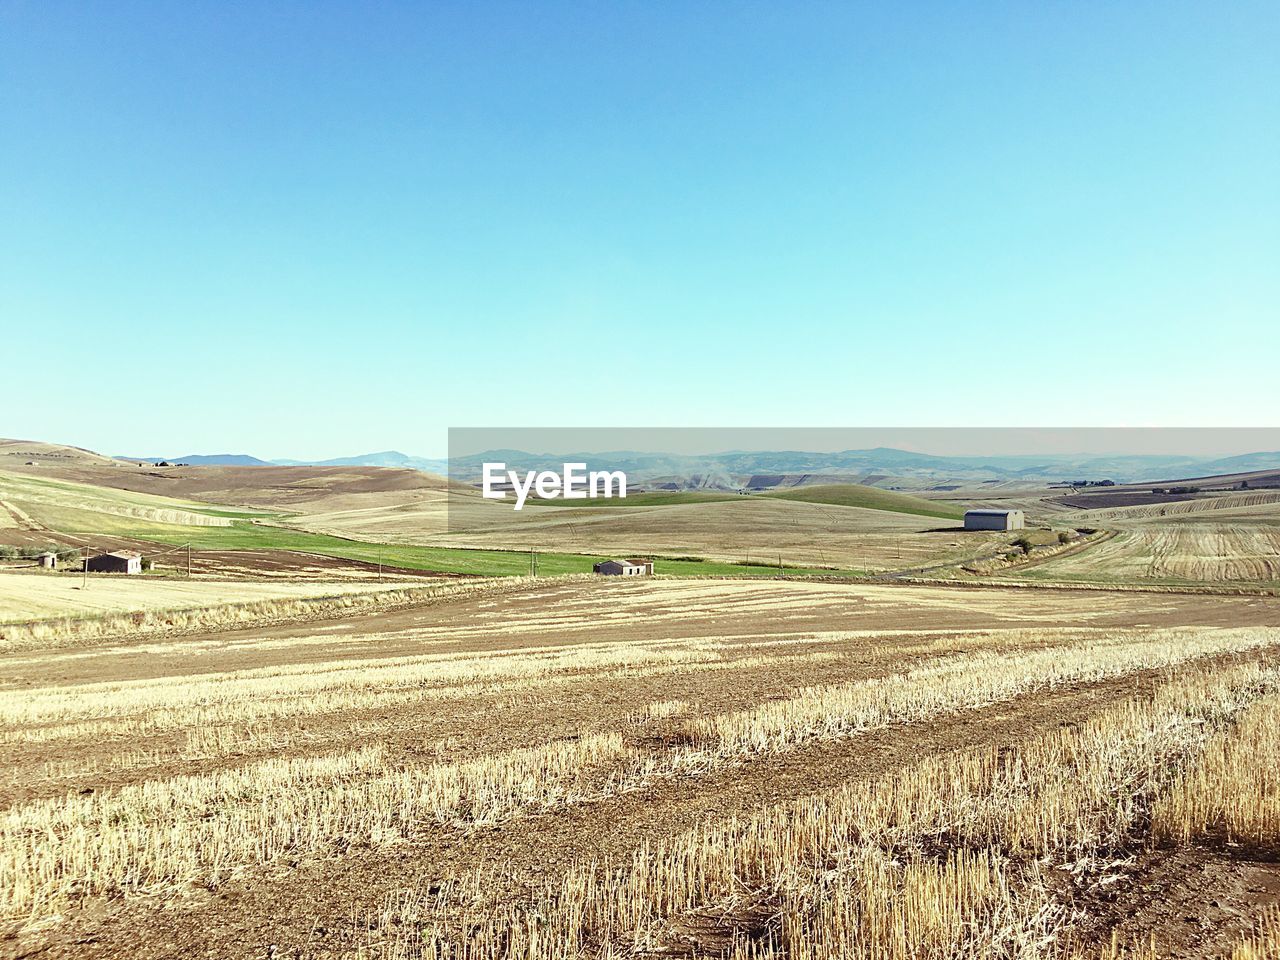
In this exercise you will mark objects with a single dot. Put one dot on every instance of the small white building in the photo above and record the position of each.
(624, 568)
(48, 560)
(994, 520)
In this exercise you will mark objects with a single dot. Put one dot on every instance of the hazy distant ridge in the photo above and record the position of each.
(386, 458)
(867, 466)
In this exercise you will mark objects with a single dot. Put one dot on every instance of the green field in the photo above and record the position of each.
(437, 559)
(262, 536)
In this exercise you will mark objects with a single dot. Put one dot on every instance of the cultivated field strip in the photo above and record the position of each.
(37, 494)
(124, 607)
(977, 854)
(974, 680)
(33, 596)
(29, 708)
(114, 709)
(1254, 504)
(1183, 553)
(159, 834)
(253, 696)
(468, 720)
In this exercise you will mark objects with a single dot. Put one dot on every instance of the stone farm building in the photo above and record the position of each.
(994, 520)
(624, 568)
(120, 561)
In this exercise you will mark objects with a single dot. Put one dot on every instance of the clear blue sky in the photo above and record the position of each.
(318, 229)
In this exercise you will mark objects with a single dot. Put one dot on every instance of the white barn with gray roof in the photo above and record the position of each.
(994, 520)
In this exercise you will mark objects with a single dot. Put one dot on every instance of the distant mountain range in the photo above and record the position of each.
(386, 458)
(206, 460)
(881, 466)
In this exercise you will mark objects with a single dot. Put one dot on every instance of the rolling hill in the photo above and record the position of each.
(869, 498)
(835, 494)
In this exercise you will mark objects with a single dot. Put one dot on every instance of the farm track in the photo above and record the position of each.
(1071, 550)
(1013, 569)
(21, 520)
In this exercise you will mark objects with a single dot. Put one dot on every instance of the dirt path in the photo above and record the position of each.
(1194, 903)
(23, 521)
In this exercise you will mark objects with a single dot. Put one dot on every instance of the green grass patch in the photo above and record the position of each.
(464, 560)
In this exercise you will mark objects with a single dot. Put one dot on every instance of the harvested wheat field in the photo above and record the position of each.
(577, 768)
(1177, 553)
(1257, 506)
(29, 596)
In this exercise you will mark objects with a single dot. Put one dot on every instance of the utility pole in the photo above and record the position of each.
(84, 584)
(379, 564)
(188, 561)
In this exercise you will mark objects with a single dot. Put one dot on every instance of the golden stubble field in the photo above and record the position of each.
(662, 768)
(31, 595)
(1190, 553)
(1231, 538)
